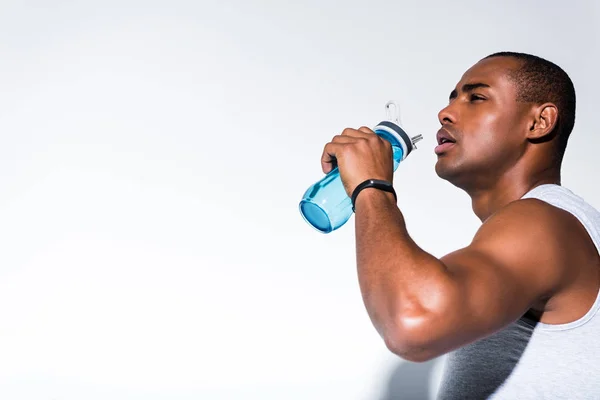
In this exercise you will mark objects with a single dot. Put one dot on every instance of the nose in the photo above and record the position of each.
(447, 115)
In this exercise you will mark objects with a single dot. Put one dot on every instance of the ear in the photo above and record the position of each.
(543, 122)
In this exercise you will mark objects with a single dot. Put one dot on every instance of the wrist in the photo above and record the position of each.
(373, 188)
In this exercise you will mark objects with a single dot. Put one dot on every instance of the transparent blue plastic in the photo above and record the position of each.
(326, 206)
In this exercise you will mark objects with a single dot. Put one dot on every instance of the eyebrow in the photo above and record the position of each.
(468, 87)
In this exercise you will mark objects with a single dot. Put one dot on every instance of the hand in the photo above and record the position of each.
(360, 155)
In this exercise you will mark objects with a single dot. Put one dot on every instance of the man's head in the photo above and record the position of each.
(510, 113)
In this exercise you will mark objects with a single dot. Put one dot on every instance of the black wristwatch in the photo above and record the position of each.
(373, 183)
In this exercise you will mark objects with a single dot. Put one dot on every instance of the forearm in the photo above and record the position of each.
(403, 287)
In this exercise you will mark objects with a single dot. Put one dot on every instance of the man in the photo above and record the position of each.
(516, 309)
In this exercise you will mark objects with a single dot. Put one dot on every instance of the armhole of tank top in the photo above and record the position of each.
(539, 193)
(574, 324)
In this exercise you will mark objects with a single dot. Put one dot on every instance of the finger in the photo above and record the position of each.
(329, 156)
(364, 129)
(354, 133)
(369, 134)
(344, 139)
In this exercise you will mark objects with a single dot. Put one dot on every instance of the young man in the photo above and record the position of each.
(516, 309)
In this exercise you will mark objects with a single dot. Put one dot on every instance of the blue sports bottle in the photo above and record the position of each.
(326, 206)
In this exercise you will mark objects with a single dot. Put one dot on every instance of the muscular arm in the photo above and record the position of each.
(423, 306)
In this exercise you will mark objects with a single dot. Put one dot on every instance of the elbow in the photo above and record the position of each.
(422, 329)
(409, 351)
(413, 340)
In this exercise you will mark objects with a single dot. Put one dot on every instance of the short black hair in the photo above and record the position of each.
(540, 81)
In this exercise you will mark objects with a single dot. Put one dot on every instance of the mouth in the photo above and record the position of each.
(445, 141)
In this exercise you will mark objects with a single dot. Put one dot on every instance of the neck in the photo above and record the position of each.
(509, 188)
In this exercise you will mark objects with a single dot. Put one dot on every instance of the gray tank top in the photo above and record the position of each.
(529, 359)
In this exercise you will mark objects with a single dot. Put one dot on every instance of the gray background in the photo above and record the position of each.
(152, 158)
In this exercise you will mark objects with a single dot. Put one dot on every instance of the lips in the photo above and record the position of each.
(444, 136)
(445, 141)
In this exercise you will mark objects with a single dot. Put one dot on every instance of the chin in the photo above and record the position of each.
(448, 172)
(442, 169)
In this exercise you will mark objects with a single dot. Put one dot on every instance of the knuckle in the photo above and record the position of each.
(382, 141)
(373, 140)
(365, 143)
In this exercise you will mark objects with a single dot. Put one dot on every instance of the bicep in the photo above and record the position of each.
(490, 292)
(513, 261)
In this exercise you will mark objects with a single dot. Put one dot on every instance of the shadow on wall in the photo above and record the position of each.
(414, 381)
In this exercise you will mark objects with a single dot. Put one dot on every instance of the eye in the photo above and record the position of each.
(477, 97)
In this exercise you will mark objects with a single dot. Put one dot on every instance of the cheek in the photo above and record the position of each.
(487, 135)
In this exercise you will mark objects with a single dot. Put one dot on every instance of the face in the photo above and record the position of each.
(483, 126)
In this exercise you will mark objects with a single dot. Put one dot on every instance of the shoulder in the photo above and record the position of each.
(539, 240)
(531, 221)
(528, 243)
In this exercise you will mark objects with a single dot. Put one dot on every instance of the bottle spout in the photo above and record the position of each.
(415, 139)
